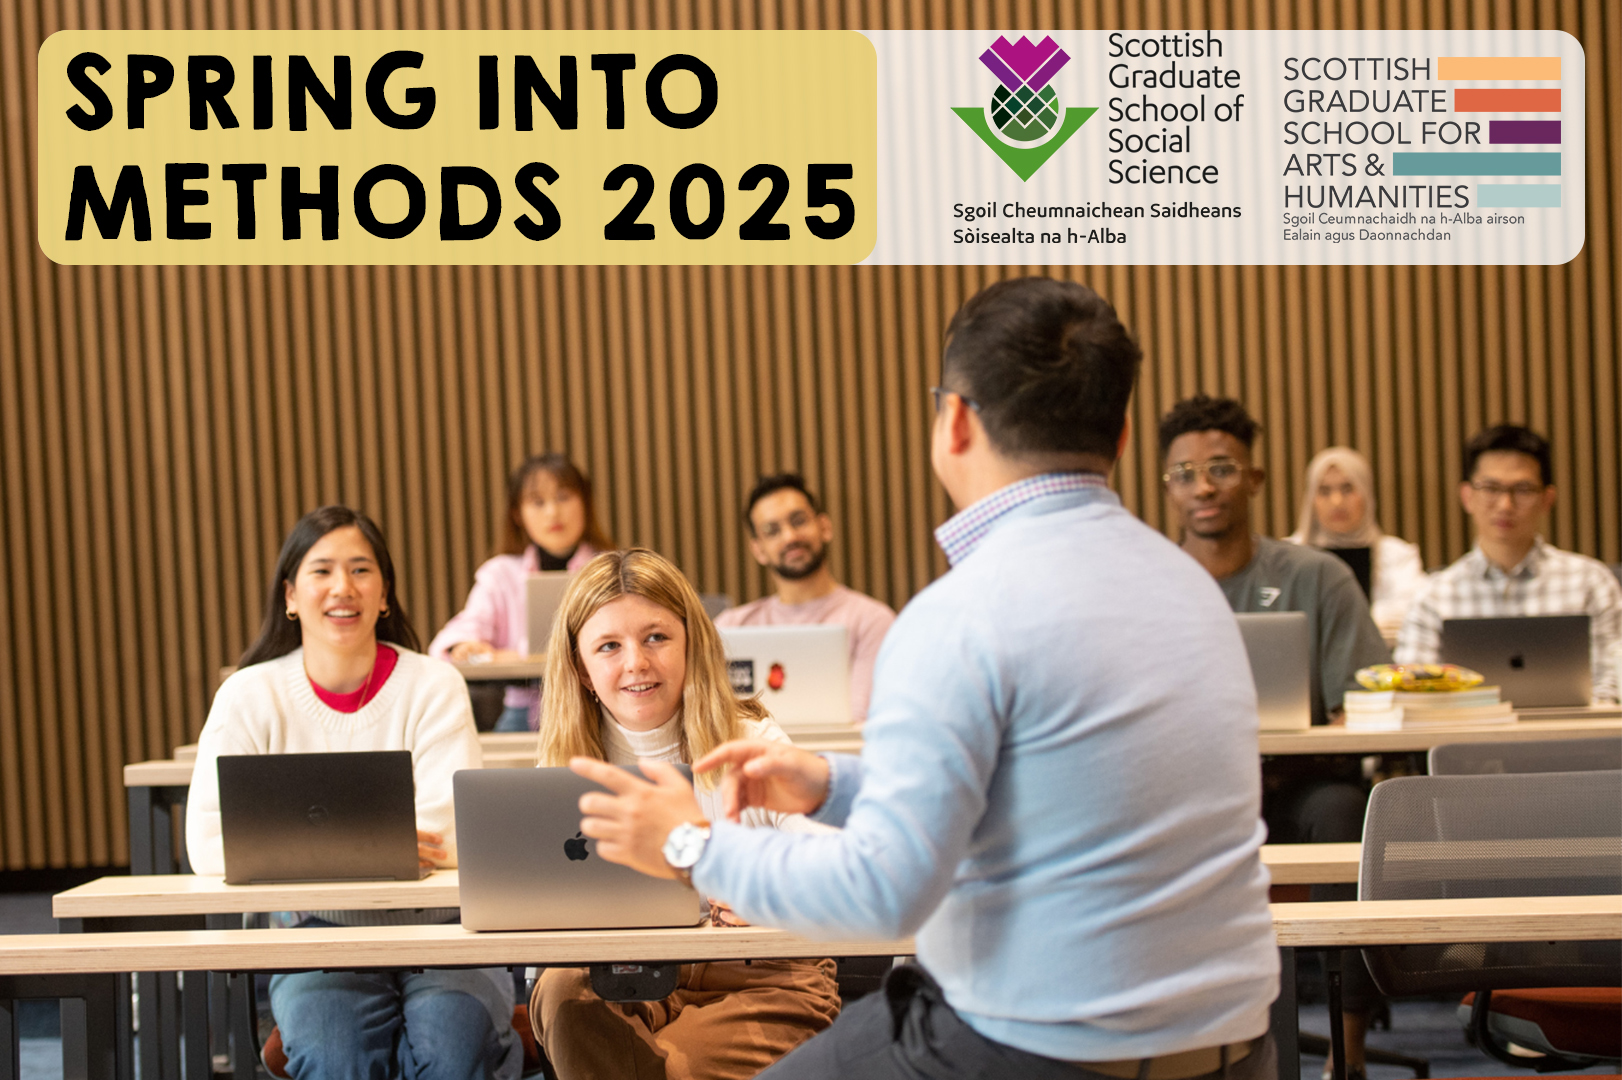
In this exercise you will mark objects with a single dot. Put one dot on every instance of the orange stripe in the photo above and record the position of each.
(1485, 100)
(1498, 67)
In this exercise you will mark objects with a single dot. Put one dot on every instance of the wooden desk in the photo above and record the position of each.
(1348, 924)
(528, 667)
(187, 894)
(1337, 740)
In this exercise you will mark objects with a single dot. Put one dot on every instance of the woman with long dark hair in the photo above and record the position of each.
(336, 668)
(550, 524)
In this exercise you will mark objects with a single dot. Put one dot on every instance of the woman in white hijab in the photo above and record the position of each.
(1337, 511)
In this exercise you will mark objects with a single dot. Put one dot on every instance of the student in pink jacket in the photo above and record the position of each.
(550, 525)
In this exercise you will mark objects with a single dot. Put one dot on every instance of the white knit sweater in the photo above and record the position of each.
(270, 708)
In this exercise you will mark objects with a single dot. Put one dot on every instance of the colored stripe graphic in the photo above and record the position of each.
(1410, 164)
(1499, 196)
(1524, 132)
(1493, 100)
(1498, 67)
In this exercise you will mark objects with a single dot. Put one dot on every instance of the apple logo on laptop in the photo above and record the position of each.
(576, 849)
(1517, 661)
(318, 815)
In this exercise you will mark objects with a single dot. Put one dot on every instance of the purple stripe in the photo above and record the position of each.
(1000, 69)
(1524, 131)
(1047, 71)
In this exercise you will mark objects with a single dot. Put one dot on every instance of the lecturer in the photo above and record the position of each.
(1058, 789)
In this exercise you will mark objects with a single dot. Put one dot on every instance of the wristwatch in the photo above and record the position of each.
(685, 846)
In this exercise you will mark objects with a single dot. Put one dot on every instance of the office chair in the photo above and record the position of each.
(1529, 834)
(1545, 755)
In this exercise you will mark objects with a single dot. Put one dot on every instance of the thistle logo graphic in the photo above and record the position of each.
(1025, 108)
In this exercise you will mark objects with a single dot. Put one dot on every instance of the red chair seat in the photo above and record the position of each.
(1581, 1021)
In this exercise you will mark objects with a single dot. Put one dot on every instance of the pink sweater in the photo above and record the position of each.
(494, 613)
(867, 619)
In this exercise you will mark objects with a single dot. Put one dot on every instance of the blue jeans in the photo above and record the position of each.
(513, 718)
(382, 1025)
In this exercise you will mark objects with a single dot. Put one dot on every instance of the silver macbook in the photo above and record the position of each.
(318, 817)
(1281, 665)
(801, 673)
(543, 595)
(1537, 661)
(524, 865)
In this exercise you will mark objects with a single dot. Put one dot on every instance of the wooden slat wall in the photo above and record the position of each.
(161, 427)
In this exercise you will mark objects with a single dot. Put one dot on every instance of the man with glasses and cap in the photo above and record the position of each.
(1508, 486)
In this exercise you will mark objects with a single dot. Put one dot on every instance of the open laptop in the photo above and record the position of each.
(524, 865)
(1537, 661)
(1281, 665)
(801, 673)
(1361, 562)
(543, 595)
(318, 817)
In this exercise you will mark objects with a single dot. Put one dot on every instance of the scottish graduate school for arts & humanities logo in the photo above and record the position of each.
(1030, 125)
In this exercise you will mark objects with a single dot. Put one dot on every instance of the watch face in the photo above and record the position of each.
(684, 845)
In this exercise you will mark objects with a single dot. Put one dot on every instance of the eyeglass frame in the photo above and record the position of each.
(1522, 494)
(1195, 470)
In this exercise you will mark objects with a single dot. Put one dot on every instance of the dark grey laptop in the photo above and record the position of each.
(1537, 661)
(1281, 665)
(525, 866)
(318, 817)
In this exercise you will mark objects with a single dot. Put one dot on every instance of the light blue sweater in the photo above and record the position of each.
(1059, 792)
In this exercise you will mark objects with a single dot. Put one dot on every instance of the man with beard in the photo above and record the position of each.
(789, 535)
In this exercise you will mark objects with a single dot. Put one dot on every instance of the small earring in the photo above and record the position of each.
(292, 616)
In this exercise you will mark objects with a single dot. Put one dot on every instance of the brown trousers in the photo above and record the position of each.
(725, 1021)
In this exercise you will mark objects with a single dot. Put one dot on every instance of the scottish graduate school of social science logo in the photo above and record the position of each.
(1030, 125)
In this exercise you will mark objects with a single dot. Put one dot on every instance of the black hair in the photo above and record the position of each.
(1048, 366)
(1205, 413)
(568, 476)
(1512, 437)
(768, 485)
(279, 635)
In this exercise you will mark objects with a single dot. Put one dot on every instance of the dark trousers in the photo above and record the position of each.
(908, 1031)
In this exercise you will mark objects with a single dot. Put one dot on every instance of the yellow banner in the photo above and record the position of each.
(288, 147)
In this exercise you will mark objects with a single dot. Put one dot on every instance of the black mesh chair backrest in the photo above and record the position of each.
(1532, 834)
(1544, 755)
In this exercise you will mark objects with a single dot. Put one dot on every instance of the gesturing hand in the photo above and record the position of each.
(767, 776)
(631, 820)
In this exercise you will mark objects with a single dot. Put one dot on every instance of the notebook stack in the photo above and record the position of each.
(1398, 710)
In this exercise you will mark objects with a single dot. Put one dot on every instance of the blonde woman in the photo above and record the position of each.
(635, 671)
(1337, 511)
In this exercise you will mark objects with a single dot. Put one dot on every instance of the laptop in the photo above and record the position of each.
(524, 865)
(543, 595)
(800, 673)
(1361, 562)
(1281, 665)
(1537, 661)
(318, 817)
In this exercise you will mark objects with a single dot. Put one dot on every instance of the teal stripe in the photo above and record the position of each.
(1408, 164)
(1492, 196)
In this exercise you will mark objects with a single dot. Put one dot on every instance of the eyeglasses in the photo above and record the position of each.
(935, 393)
(1521, 494)
(1222, 472)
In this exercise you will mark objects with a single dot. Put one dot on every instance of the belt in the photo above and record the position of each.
(1178, 1066)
